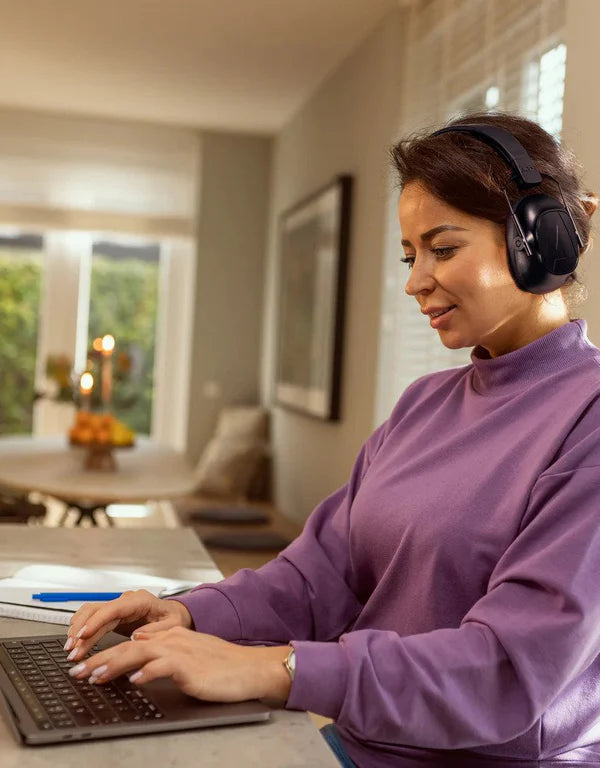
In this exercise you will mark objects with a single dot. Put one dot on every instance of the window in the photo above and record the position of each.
(21, 264)
(545, 89)
(124, 302)
(97, 188)
(58, 291)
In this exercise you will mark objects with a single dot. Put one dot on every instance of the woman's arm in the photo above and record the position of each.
(489, 680)
(305, 593)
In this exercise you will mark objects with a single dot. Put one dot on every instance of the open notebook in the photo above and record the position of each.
(16, 591)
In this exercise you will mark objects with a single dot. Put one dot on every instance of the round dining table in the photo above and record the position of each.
(49, 465)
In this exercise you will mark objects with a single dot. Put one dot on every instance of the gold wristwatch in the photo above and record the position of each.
(290, 664)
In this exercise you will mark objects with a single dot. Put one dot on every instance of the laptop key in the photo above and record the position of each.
(57, 700)
(54, 709)
(64, 724)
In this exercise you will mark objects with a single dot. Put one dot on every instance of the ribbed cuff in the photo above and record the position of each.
(212, 612)
(320, 678)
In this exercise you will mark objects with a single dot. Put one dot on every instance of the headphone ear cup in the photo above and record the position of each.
(552, 241)
(519, 262)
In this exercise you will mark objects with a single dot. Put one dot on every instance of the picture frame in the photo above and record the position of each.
(314, 238)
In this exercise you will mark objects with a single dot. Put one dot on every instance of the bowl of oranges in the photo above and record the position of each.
(100, 433)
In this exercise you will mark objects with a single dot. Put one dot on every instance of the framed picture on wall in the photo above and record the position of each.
(313, 254)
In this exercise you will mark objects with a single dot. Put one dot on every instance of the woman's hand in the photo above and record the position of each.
(200, 665)
(124, 615)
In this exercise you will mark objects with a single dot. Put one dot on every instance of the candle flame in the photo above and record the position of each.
(86, 383)
(108, 343)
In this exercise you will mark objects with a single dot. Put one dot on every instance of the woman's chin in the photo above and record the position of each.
(453, 340)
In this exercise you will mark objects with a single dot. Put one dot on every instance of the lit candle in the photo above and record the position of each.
(86, 385)
(108, 344)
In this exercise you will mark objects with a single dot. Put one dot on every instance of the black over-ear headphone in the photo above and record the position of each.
(542, 240)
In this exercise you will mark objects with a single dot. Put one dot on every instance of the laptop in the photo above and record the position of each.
(43, 704)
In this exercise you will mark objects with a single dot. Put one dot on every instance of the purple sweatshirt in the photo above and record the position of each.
(448, 597)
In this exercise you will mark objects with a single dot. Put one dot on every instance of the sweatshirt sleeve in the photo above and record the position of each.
(486, 682)
(305, 593)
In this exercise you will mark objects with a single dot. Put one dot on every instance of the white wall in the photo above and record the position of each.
(580, 133)
(346, 127)
(232, 218)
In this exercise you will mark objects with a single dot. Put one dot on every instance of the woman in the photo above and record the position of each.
(444, 606)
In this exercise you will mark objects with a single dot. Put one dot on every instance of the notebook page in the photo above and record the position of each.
(35, 614)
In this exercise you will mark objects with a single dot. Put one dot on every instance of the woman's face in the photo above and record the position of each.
(461, 260)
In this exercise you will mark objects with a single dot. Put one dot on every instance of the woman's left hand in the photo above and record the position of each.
(200, 665)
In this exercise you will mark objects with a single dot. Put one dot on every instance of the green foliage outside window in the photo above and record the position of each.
(123, 302)
(20, 281)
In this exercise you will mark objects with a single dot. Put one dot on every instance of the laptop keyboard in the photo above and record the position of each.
(39, 671)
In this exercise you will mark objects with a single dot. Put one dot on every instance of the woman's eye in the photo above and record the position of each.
(444, 251)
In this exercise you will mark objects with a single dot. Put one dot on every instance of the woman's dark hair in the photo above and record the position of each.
(469, 175)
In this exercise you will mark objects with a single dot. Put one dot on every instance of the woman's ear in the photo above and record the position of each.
(589, 202)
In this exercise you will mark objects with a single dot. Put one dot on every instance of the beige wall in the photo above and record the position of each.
(233, 207)
(581, 123)
(346, 127)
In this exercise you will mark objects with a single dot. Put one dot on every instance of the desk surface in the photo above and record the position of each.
(289, 740)
(49, 465)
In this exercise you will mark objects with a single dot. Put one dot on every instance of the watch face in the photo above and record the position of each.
(292, 660)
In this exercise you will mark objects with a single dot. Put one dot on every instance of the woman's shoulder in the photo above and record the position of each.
(434, 384)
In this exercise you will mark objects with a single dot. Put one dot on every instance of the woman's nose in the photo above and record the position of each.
(420, 278)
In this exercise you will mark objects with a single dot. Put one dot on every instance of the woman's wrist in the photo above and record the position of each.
(186, 617)
(275, 682)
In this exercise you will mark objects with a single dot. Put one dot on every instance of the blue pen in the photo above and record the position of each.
(64, 597)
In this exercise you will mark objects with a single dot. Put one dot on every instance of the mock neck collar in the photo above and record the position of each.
(549, 354)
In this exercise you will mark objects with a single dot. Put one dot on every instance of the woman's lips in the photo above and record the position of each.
(442, 320)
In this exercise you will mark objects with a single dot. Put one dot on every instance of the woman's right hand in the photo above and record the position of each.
(124, 615)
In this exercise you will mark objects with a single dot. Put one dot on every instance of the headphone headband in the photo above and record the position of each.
(507, 146)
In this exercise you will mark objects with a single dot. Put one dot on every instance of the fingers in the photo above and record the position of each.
(153, 670)
(82, 645)
(149, 630)
(93, 620)
(78, 622)
(127, 657)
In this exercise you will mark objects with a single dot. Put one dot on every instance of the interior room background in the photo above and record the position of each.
(183, 221)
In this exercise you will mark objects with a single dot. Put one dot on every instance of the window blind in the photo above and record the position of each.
(70, 172)
(462, 55)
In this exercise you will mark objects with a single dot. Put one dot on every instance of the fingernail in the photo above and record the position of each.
(135, 676)
(100, 671)
(81, 631)
(73, 653)
(133, 637)
(77, 669)
(68, 644)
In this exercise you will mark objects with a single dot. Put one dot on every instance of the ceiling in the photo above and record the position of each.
(238, 65)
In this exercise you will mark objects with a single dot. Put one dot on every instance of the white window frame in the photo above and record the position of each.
(63, 326)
